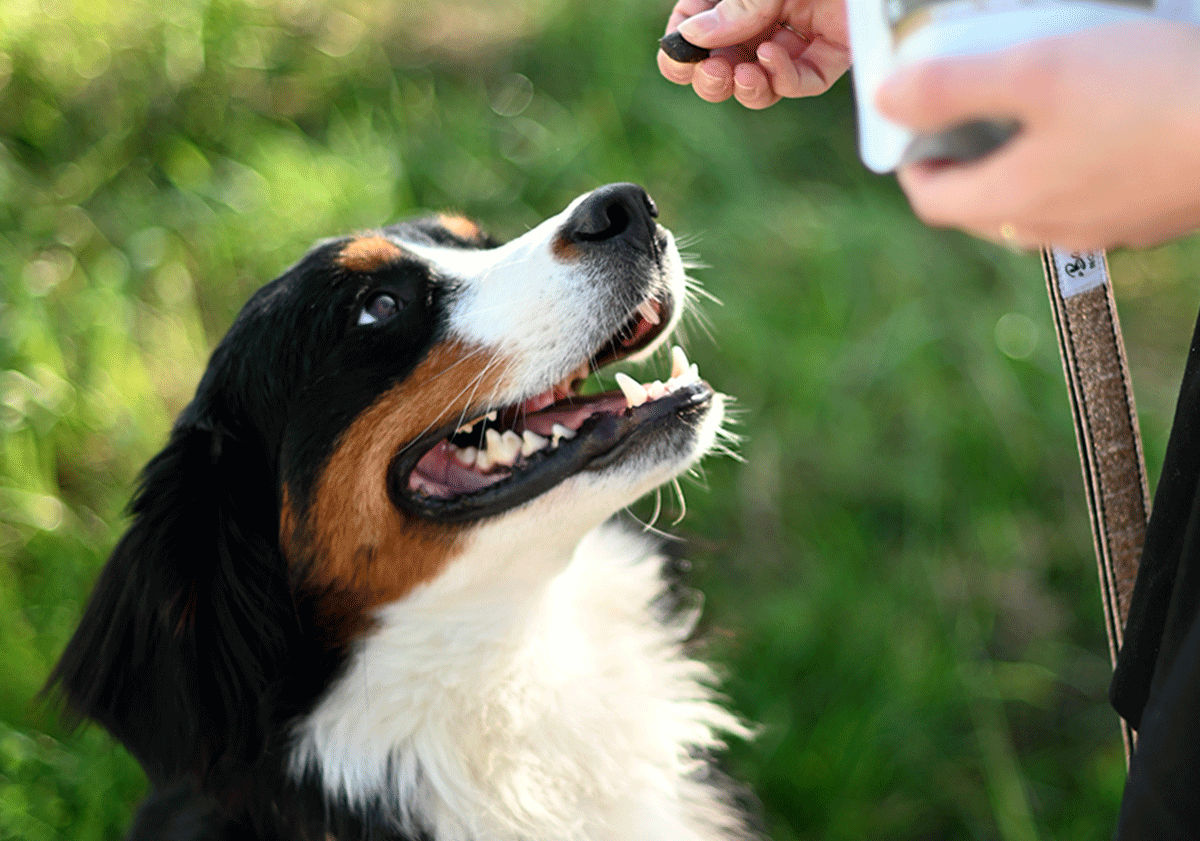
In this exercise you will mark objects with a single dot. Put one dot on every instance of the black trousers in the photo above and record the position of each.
(1156, 685)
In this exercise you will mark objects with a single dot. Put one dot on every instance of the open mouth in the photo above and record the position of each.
(514, 453)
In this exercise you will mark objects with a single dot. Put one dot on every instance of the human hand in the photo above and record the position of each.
(1108, 153)
(763, 50)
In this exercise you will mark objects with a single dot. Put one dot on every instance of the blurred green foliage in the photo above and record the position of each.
(899, 577)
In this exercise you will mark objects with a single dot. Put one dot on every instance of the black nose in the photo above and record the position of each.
(616, 213)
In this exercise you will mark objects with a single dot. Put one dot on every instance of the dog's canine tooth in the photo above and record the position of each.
(531, 443)
(687, 376)
(679, 362)
(635, 393)
(646, 310)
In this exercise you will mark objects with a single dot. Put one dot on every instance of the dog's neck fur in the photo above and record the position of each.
(486, 707)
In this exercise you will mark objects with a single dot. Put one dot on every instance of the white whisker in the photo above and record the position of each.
(657, 507)
(682, 502)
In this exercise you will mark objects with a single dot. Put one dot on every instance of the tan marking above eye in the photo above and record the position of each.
(366, 254)
(460, 226)
(352, 539)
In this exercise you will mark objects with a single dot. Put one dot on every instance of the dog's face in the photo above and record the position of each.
(431, 400)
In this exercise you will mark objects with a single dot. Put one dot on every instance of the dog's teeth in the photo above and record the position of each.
(679, 362)
(492, 415)
(646, 310)
(656, 390)
(559, 433)
(511, 443)
(503, 448)
(484, 461)
(466, 456)
(686, 376)
(500, 449)
(635, 393)
(531, 443)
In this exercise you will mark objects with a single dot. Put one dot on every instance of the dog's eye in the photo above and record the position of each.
(380, 307)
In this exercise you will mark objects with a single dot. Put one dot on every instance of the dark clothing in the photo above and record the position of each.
(1156, 686)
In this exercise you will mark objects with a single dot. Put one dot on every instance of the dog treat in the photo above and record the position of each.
(681, 49)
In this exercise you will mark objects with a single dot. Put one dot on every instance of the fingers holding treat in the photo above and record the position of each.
(757, 51)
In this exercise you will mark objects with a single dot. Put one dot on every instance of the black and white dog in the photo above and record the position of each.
(370, 589)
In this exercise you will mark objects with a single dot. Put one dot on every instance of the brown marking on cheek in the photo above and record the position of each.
(366, 254)
(564, 249)
(460, 226)
(355, 541)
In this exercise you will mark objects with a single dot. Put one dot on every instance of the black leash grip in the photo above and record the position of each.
(963, 143)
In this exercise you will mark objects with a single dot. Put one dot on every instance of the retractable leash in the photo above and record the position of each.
(1106, 428)
(886, 36)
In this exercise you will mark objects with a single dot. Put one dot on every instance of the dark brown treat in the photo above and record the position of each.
(681, 49)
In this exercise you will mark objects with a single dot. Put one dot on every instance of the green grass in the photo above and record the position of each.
(899, 577)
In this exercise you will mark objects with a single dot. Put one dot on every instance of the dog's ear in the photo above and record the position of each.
(181, 648)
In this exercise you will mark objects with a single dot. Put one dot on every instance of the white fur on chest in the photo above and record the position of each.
(487, 707)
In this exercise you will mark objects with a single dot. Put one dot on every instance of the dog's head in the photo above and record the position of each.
(395, 402)
(436, 401)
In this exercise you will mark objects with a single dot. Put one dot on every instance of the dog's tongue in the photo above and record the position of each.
(440, 474)
(569, 413)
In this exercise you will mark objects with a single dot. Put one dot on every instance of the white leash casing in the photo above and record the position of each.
(886, 35)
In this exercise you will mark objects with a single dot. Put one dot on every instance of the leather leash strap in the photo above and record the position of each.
(1106, 427)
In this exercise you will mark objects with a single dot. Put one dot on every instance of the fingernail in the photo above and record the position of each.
(699, 25)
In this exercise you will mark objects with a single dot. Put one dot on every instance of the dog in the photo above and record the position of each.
(372, 587)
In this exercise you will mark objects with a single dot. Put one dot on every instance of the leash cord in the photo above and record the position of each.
(1106, 428)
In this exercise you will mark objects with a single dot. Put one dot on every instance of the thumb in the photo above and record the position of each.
(934, 94)
(731, 22)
